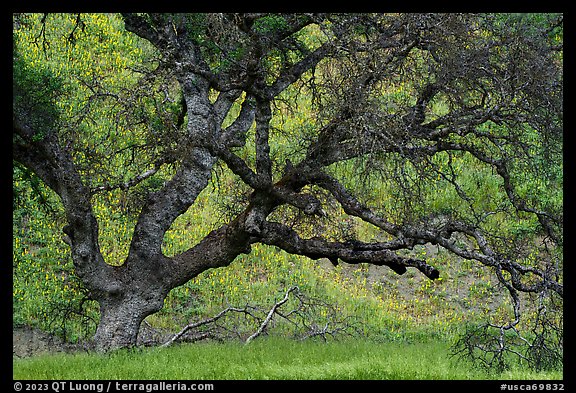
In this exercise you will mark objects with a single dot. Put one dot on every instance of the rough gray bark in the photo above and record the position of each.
(372, 51)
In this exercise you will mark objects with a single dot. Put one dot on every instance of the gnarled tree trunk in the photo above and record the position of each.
(120, 320)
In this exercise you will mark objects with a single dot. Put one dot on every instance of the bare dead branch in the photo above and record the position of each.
(309, 317)
(203, 322)
(270, 314)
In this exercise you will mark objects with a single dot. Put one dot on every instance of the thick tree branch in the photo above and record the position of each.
(174, 198)
(292, 74)
(287, 239)
(235, 134)
(408, 235)
(263, 162)
(139, 25)
(217, 249)
(404, 87)
(56, 168)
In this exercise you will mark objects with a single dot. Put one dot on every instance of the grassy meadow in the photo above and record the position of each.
(269, 358)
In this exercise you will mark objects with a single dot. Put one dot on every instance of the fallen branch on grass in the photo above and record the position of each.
(195, 325)
(306, 315)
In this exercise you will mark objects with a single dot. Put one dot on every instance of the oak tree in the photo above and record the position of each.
(404, 100)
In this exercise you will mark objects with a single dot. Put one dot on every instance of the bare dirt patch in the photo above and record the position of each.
(28, 341)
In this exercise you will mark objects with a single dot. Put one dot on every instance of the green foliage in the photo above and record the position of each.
(533, 23)
(28, 188)
(34, 93)
(94, 73)
(270, 24)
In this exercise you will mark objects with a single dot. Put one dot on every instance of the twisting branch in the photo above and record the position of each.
(352, 252)
(493, 91)
(409, 235)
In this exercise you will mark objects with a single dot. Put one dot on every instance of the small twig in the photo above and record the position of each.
(124, 186)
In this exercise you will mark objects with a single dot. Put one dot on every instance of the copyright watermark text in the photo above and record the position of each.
(111, 386)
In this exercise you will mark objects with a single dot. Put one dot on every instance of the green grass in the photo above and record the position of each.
(268, 358)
